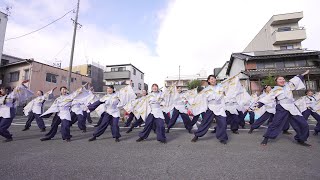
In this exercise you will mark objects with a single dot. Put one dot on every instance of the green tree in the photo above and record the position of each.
(195, 84)
(269, 80)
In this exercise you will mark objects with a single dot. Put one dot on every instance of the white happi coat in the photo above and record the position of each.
(62, 104)
(154, 101)
(308, 102)
(111, 102)
(36, 105)
(19, 94)
(214, 97)
(180, 102)
(284, 95)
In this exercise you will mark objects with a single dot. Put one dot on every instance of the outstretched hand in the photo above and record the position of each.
(25, 81)
(305, 73)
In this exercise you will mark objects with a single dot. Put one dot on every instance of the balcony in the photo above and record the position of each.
(112, 75)
(288, 18)
(288, 35)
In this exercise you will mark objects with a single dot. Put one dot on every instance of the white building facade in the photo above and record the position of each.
(122, 74)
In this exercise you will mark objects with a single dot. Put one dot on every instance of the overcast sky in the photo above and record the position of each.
(154, 35)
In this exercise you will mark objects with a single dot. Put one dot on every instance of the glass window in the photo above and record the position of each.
(289, 64)
(51, 78)
(132, 84)
(279, 65)
(113, 69)
(26, 74)
(14, 76)
(121, 68)
(260, 65)
(300, 63)
(268, 65)
(134, 71)
(139, 86)
(280, 29)
(141, 76)
(311, 63)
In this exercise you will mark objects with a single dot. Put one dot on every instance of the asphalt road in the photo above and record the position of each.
(242, 158)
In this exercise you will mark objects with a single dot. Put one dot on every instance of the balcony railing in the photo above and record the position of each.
(286, 35)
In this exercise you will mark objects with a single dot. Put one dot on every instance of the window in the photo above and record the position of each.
(286, 47)
(279, 65)
(260, 65)
(14, 76)
(311, 63)
(26, 74)
(121, 68)
(51, 78)
(4, 62)
(113, 69)
(289, 64)
(141, 76)
(134, 71)
(269, 65)
(132, 84)
(301, 63)
(281, 29)
(73, 79)
(139, 86)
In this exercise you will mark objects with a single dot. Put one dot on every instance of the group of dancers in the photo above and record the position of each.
(227, 102)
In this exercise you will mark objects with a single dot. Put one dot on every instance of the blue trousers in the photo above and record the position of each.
(39, 120)
(5, 123)
(185, 118)
(282, 116)
(138, 122)
(315, 115)
(233, 120)
(107, 120)
(266, 116)
(166, 118)
(221, 128)
(65, 128)
(160, 129)
(196, 118)
(129, 120)
(80, 119)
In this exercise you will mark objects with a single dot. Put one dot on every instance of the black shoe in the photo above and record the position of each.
(163, 142)
(45, 139)
(286, 132)
(25, 129)
(43, 130)
(250, 131)
(315, 133)
(223, 141)
(8, 140)
(195, 138)
(129, 130)
(84, 131)
(214, 131)
(68, 140)
(168, 130)
(117, 140)
(92, 139)
(235, 132)
(303, 143)
(264, 142)
(139, 140)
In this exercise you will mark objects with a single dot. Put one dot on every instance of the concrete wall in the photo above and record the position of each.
(3, 27)
(265, 39)
(38, 73)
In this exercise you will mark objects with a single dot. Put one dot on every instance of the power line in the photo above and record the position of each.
(41, 27)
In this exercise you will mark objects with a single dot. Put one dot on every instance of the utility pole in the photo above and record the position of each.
(72, 47)
(179, 76)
